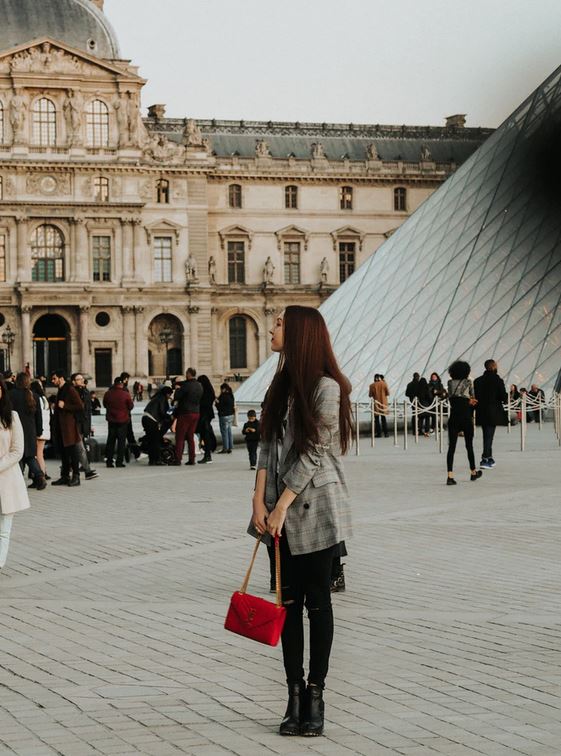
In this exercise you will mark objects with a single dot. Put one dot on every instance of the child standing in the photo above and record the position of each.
(250, 431)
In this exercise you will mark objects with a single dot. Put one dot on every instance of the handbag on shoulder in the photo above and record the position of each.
(254, 617)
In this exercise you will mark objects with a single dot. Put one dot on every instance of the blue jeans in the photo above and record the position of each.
(225, 424)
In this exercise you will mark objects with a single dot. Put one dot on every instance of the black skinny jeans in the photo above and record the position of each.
(306, 581)
(153, 439)
(454, 427)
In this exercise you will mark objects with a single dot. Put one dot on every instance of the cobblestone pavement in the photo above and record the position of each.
(447, 639)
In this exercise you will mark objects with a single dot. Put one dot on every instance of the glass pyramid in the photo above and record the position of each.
(474, 273)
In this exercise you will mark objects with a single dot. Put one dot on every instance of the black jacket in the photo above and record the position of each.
(188, 397)
(158, 407)
(225, 404)
(31, 420)
(84, 418)
(207, 405)
(251, 438)
(490, 393)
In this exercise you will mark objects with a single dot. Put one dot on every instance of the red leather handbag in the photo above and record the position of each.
(253, 617)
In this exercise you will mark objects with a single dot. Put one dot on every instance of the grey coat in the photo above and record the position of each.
(320, 516)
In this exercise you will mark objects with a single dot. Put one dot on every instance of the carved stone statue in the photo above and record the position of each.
(192, 136)
(120, 107)
(161, 149)
(324, 270)
(372, 152)
(133, 117)
(262, 148)
(318, 151)
(73, 114)
(18, 112)
(190, 269)
(212, 270)
(425, 153)
(268, 271)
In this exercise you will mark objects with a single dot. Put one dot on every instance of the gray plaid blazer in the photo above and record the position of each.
(320, 515)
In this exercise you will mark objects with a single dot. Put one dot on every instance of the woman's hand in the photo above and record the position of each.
(260, 515)
(275, 520)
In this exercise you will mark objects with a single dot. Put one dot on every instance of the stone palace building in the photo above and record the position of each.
(153, 243)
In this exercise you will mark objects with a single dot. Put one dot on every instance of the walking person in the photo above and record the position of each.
(204, 427)
(250, 432)
(187, 399)
(301, 496)
(462, 404)
(131, 440)
(436, 391)
(490, 393)
(380, 392)
(154, 423)
(65, 426)
(225, 404)
(29, 411)
(13, 492)
(118, 403)
(84, 420)
(46, 418)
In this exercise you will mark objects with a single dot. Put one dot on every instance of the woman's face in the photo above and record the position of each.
(277, 333)
(434, 377)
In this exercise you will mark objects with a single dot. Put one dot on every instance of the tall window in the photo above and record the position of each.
(2, 257)
(47, 251)
(236, 262)
(1, 123)
(162, 259)
(44, 123)
(238, 342)
(346, 260)
(400, 199)
(101, 189)
(292, 262)
(291, 197)
(97, 124)
(346, 197)
(101, 255)
(235, 195)
(162, 192)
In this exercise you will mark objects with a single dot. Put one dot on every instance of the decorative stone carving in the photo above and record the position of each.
(324, 270)
(9, 187)
(212, 270)
(46, 184)
(318, 151)
(190, 269)
(146, 190)
(425, 154)
(133, 117)
(87, 188)
(193, 309)
(120, 107)
(72, 107)
(45, 59)
(162, 150)
(262, 148)
(372, 152)
(268, 271)
(18, 115)
(192, 136)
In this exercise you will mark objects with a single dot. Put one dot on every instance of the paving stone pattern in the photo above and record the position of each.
(447, 640)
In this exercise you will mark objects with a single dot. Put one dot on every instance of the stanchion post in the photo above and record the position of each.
(405, 424)
(372, 423)
(415, 412)
(436, 419)
(441, 421)
(540, 410)
(523, 424)
(357, 425)
(508, 407)
(395, 422)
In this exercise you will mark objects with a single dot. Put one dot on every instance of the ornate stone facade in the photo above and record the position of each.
(131, 243)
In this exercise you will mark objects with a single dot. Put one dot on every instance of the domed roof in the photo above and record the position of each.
(78, 23)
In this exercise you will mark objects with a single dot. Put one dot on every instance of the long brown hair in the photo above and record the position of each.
(5, 405)
(23, 381)
(307, 357)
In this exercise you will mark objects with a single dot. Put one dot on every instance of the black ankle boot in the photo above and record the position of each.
(312, 724)
(291, 724)
(338, 580)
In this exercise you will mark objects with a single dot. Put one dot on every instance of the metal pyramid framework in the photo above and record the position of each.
(474, 273)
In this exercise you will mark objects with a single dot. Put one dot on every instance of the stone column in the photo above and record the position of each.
(85, 366)
(26, 340)
(193, 311)
(141, 369)
(214, 341)
(137, 249)
(81, 252)
(127, 252)
(129, 339)
(24, 256)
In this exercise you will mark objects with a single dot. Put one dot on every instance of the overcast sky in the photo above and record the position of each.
(365, 61)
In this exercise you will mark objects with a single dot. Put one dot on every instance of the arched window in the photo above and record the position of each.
(291, 197)
(44, 123)
(162, 191)
(346, 197)
(235, 195)
(1, 123)
(47, 252)
(238, 342)
(101, 189)
(97, 124)
(400, 199)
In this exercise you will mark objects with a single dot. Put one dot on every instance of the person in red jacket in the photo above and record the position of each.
(118, 403)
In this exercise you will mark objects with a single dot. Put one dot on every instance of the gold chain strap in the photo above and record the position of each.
(278, 589)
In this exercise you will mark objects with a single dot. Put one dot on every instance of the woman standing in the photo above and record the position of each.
(436, 391)
(13, 493)
(301, 495)
(208, 440)
(45, 435)
(225, 404)
(462, 404)
(24, 403)
(154, 422)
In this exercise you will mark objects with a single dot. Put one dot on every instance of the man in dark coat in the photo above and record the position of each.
(118, 403)
(65, 426)
(490, 393)
(188, 405)
(84, 419)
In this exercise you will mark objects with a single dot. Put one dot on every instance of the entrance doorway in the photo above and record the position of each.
(103, 367)
(51, 345)
(165, 346)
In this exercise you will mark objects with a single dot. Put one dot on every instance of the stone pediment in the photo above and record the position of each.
(347, 232)
(292, 231)
(233, 231)
(162, 226)
(47, 56)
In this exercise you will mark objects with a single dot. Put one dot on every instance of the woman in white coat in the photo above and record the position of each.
(13, 491)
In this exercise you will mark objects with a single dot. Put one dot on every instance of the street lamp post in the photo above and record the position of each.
(8, 337)
(165, 337)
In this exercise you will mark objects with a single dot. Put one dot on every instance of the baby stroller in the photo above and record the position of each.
(167, 449)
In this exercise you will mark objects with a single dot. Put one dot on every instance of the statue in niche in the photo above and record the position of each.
(133, 117)
(190, 269)
(268, 271)
(324, 270)
(262, 148)
(192, 136)
(212, 270)
(372, 152)
(318, 151)
(425, 153)
(18, 110)
(72, 107)
(122, 120)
